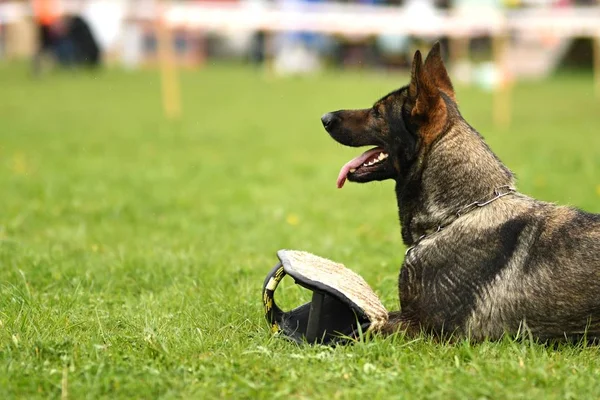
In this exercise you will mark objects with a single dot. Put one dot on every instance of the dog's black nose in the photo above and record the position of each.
(327, 119)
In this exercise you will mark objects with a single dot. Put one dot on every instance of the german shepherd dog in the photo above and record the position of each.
(484, 260)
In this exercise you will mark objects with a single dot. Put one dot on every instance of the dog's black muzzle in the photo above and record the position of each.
(329, 120)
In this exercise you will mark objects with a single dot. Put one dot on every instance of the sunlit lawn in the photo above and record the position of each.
(132, 249)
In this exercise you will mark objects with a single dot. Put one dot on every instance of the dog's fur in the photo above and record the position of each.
(515, 263)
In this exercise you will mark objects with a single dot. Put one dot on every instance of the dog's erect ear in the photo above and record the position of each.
(435, 69)
(422, 89)
(417, 65)
(428, 107)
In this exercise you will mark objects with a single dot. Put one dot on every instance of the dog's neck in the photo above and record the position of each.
(457, 170)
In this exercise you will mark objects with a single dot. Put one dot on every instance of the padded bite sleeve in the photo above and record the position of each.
(342, 303)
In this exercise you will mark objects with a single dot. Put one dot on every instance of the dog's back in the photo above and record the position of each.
(550, 282)
(516, 264)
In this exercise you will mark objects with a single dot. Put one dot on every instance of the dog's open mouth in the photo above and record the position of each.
(367, 162)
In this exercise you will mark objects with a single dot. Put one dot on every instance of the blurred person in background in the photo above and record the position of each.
(81, 46)
(67, 39)
(47, 19)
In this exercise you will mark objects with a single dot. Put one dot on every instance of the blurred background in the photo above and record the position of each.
(487, 41)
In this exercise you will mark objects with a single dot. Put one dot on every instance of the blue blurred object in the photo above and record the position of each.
(64, 50)
(311, 41)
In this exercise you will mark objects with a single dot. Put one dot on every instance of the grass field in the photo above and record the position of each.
(133, 250)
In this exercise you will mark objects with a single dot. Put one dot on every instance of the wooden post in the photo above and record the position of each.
(502, 97)
(171, 93)
(269, 53)
(596, 51)
(459, 49)
(596, 55)
(21, 39)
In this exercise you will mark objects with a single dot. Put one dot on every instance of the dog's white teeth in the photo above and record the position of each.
(382, 156)
(352, 169)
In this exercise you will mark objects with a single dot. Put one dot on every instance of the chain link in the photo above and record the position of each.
(499, 192)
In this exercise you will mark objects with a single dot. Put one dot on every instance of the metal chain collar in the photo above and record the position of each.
(499, 192)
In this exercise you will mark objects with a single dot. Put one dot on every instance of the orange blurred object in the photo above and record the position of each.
(45, 11)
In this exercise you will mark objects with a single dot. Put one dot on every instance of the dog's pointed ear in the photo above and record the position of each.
(421, 89)
(428, 107)
(417, 65)
(436, 71)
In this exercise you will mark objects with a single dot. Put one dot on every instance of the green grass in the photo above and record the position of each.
(133, 250)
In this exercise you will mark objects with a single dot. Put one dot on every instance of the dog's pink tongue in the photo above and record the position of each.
(355, 163)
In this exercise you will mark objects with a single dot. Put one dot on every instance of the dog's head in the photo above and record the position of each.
(402, 125)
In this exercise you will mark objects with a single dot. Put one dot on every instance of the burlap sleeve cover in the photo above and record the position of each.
(322, 272)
